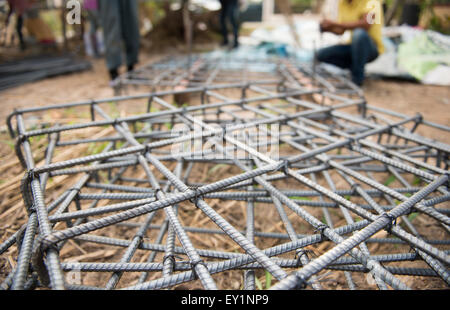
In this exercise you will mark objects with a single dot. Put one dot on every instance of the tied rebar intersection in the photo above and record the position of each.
(226, 171)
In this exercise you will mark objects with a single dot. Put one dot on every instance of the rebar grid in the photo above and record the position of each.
(218, 68)
(288, 174)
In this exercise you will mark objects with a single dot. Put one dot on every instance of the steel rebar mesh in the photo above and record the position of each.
(284, 178)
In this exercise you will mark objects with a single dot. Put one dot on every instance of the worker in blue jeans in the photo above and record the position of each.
(365, 21)
(120, 23)
(229, 11)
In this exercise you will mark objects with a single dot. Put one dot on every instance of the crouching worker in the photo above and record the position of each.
(364, 18)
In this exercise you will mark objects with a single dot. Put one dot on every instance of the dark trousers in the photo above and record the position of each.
(119, 20)
(19, 27)
(229, 12)
(354, 56)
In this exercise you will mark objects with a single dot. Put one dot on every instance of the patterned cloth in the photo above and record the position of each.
(91, 5)
(19, 6)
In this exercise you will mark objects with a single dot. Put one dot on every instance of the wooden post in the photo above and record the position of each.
(285, 8)
(391, 12)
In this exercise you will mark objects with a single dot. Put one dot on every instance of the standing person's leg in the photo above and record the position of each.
(364, 50)
(223, 21)
(19, 27)
(233, 11)
(338, 55)
(112, 30)
(93, 26)
(130, 31)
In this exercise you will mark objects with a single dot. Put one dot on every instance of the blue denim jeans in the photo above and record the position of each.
(354, 56)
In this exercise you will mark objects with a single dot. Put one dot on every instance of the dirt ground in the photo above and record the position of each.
(405, 97)
(433, 102)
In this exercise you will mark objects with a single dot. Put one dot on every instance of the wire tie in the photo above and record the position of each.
(158, 190)
(419, 118)
(354, 187)
(32, 174)
(21, 138)
(77, 189)
(195, 264)
(196, 197)
(321, 228)
(389, 129)
(301, 252)
(447, 174)
(392, 221)
(302, 282)
(170, 257)
(284, 167)
(140, 235)
(330, 131)
(385, 152)
(42, 245)
(413, 250)
(327, 162)
(147, 149)
(353, 142)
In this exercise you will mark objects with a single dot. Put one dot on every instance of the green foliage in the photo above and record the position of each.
(113, 112)
(417, 181)
(36, 139)
(268, 280)
(96, 148)
(52, 19)
(300, 198)
(412, 216)
(435, 23)
(216, 168)
(9, 143)
(258, 284)
(269, 111)
(390, 180)
(268, 284)
(301, 2)
(120, 144)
